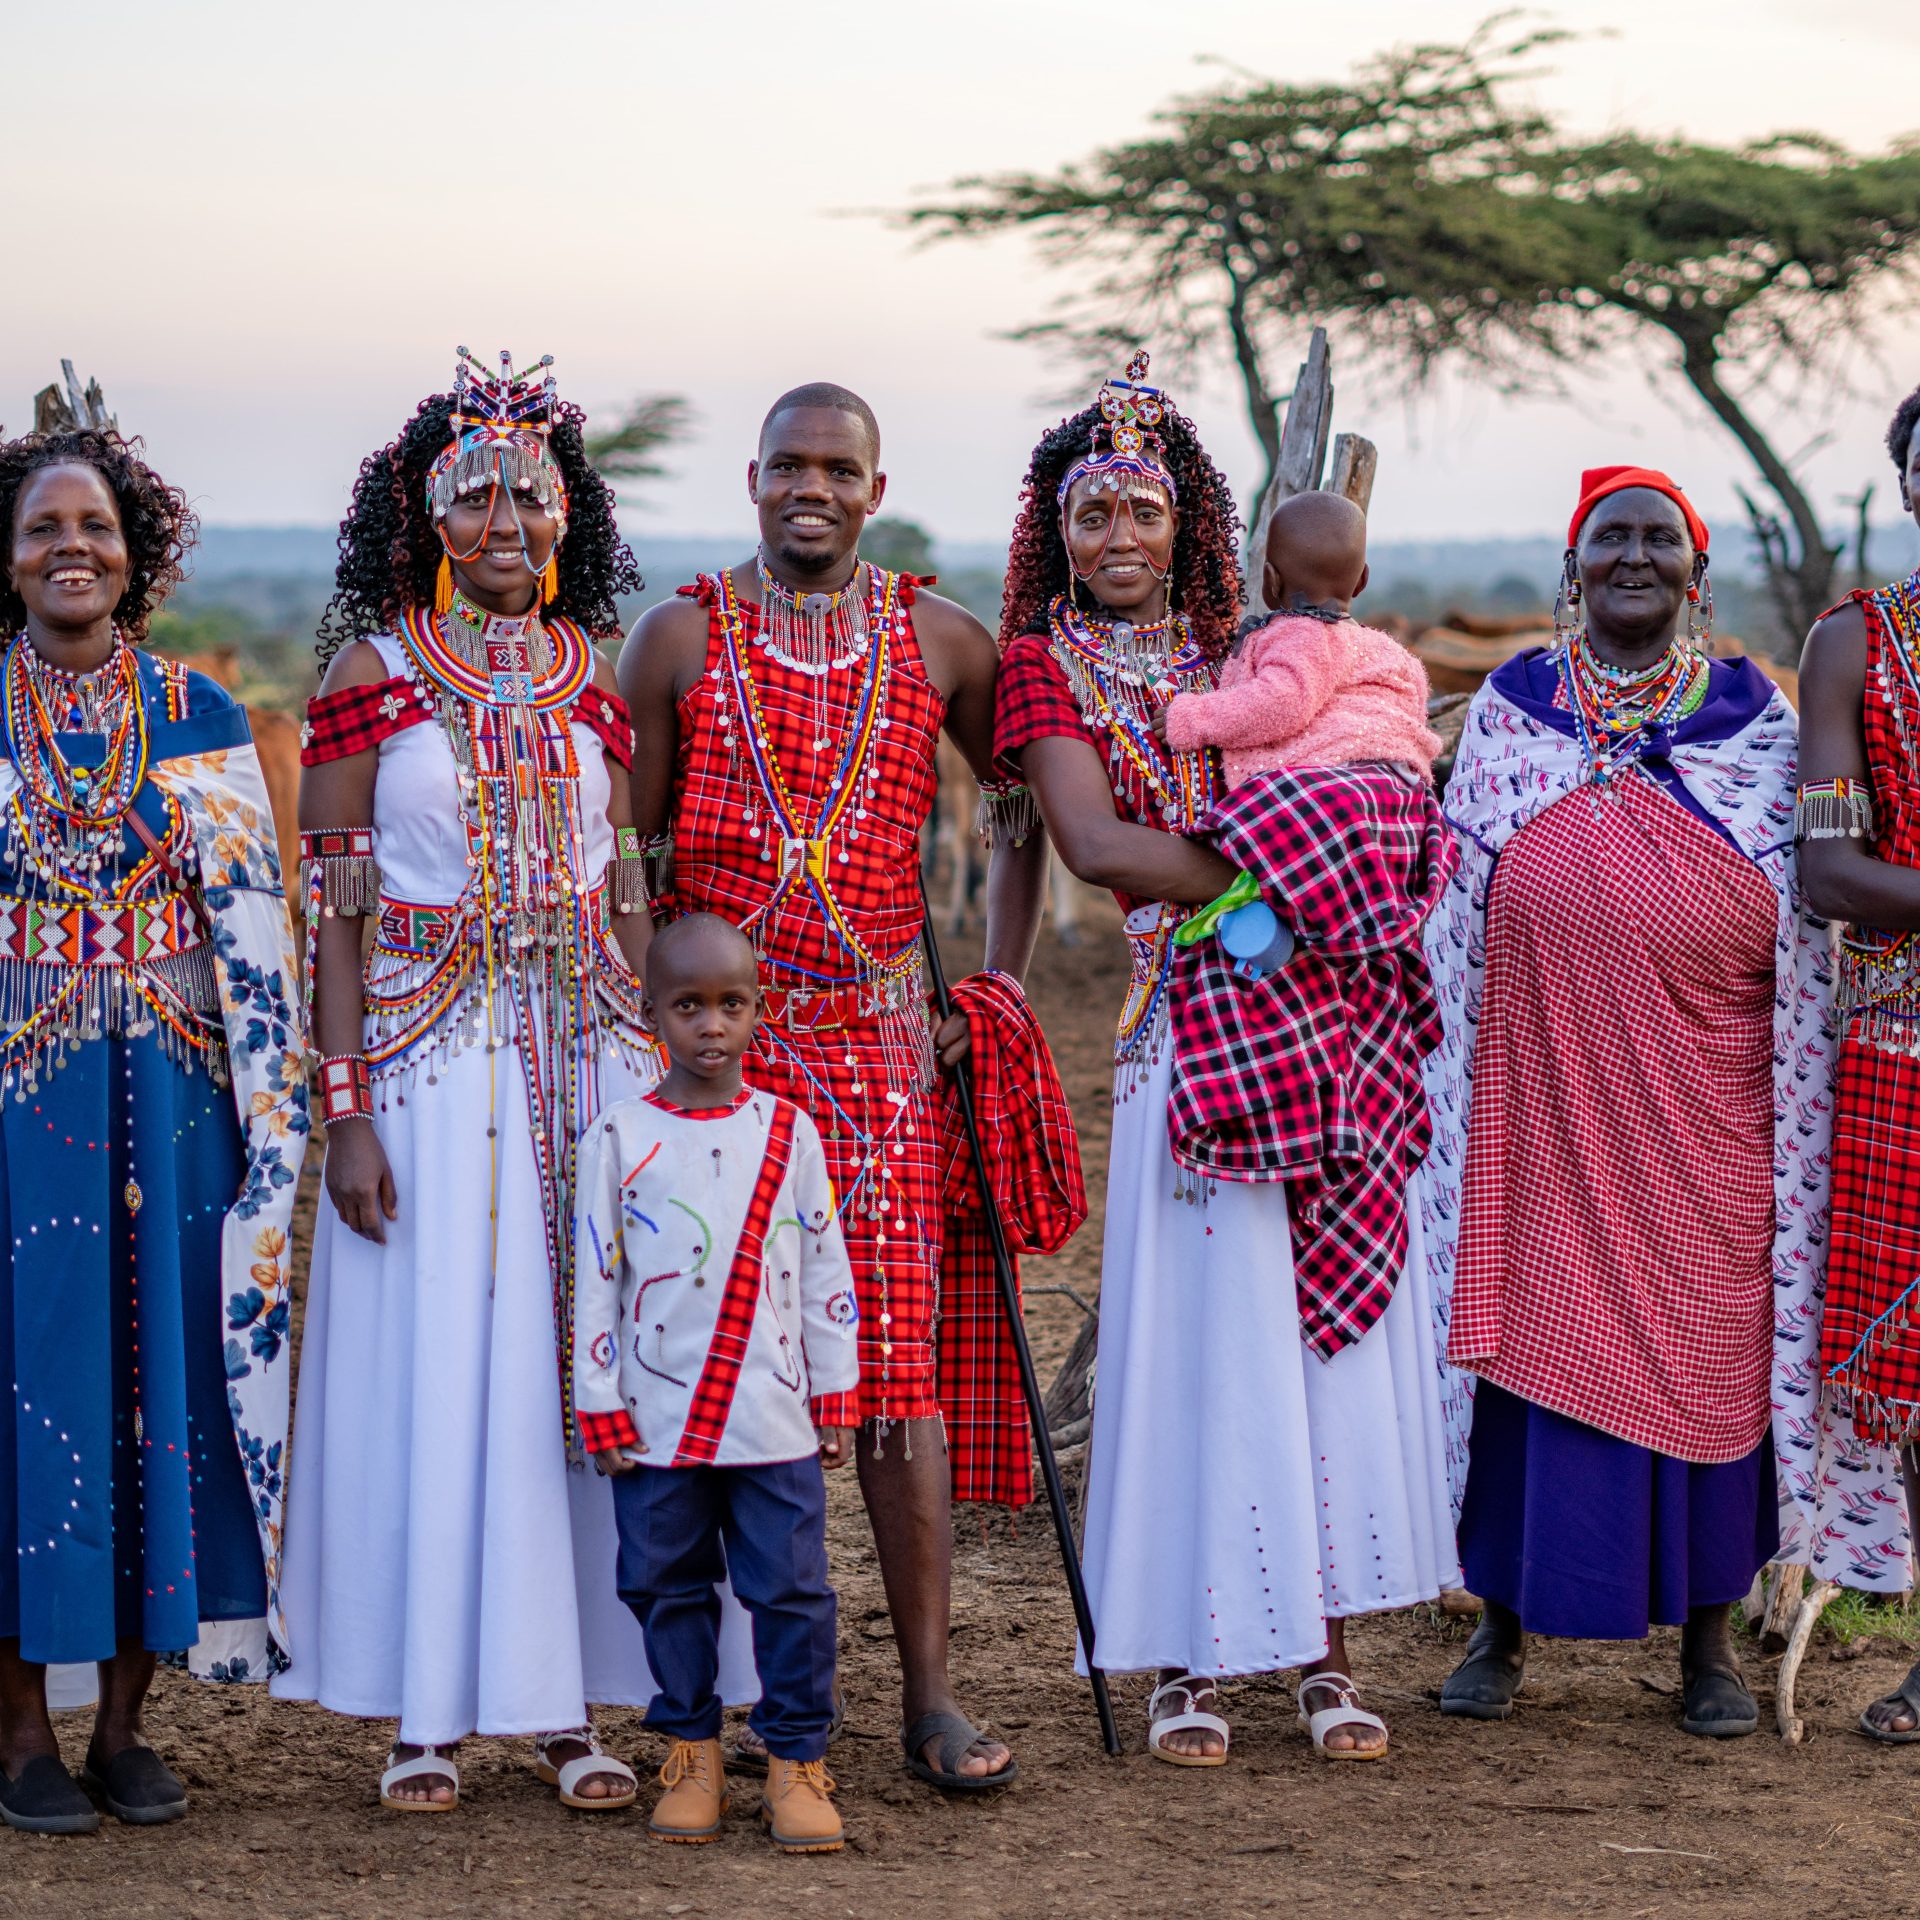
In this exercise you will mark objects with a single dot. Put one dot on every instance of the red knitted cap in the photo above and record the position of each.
(1597, 482)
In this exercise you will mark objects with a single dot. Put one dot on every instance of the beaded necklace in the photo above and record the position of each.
(814, 633)
(1122, 674)
(503, 691)
(807, 851)
(67, 819)
(1617, 710)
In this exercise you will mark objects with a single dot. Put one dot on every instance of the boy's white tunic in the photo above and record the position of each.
(444, 1565)
(688, 1218)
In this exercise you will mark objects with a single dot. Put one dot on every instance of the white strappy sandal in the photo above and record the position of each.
(430, 1763)
(1347, 1713)
(1190, 1689)
(595, 1761)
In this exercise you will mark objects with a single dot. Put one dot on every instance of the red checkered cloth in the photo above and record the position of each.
(602, 714)
(1615, 1259)
(858, 1081)
(713, 1392)
(1868, 1339)
(353, 719)
(605, 1432)
(1033, 1159)
(1312, 1076)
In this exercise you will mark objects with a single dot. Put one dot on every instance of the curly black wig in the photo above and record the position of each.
(390, 550)
(1906, 417)
(155, 520)
(1205, 577)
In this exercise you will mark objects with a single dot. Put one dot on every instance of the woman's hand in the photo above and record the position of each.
(359, 1180)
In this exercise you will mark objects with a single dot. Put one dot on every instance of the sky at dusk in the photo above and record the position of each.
(266, 228)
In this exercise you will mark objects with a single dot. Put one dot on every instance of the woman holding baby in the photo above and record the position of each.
(1267, 1455)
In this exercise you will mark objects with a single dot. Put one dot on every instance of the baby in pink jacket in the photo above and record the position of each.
(1313, 687)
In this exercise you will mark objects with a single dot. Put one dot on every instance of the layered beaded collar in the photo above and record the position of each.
(1619, 712)
(494, 660)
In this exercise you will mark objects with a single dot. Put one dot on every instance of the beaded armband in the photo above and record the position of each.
(627, 872)
(346, 1088)
(1008, 815)
(656, 856)
(1833, 810)
(337, 870)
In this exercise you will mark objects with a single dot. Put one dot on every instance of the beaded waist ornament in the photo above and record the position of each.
(107, 941)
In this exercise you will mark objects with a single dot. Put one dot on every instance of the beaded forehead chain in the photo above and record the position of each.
(1127, 457)
(501, 424)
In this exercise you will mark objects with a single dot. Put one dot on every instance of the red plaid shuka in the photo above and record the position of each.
(1033, 1158)
(713, 1391)
(1312, 1076)
(352, 719)
(866, 1082)
(1868, 1337)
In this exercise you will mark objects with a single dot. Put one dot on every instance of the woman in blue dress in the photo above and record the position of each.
(152, 1121)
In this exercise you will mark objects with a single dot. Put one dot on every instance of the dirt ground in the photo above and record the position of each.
(1590, 1801)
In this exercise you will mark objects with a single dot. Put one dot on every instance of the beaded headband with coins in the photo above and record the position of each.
(501, 425)
(1127, 457)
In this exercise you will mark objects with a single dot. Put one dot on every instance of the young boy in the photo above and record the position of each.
(713, 1302)
(1312, 687)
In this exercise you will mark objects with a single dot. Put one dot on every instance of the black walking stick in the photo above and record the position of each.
(1016, 1329)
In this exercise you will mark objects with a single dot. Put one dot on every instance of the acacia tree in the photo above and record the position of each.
(629, 448)
(1434, 220)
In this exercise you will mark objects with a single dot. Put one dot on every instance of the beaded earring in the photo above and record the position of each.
(550, 577)
(443, 587)
(1566, 608)
(1700, 612)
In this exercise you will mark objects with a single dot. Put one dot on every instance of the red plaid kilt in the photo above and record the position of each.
(884, 1160)
(1867, 1336)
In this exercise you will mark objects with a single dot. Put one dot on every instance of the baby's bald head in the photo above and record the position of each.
(1316, 550)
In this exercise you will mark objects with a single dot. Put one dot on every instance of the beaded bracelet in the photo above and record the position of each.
(346, 1088)
(1008, 816)
(337, 871)
(1839, 809)
(627, 871)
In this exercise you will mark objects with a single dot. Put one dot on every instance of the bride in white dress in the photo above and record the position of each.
(449, 1563)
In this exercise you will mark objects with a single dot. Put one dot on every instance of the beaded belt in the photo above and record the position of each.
(111, 933)
(408, 926)
(830, 1009)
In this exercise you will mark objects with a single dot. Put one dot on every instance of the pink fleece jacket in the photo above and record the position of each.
(1302, 692)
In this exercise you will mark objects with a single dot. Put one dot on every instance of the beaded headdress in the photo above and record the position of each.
(1127, 457)
(501, 423)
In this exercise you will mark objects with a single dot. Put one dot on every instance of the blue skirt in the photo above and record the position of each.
(1587, 1537)
(124, 1507)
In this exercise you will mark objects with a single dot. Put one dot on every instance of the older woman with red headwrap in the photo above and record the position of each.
(1629, 1175)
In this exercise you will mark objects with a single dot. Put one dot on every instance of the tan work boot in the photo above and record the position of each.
(796, 1808)
(695, 1779)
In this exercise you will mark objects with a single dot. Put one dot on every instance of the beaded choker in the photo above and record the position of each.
(1618, 710)
(814, 632)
